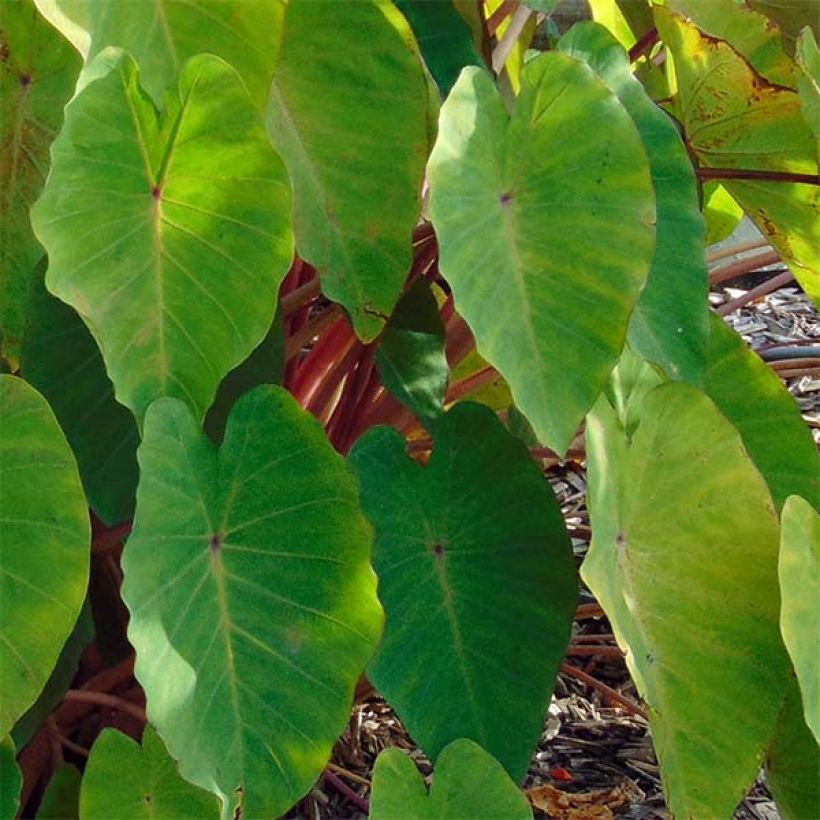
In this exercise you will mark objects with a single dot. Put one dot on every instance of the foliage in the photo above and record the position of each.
(241, 242)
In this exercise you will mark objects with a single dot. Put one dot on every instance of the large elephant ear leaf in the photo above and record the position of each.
(669, 324)
(468, 782)
(800, 591)
(253, 603)
(477, 580)
(684, 561)
(169, 236)
(351, 125)
(164, 34)
(736, 121)
(140, 782)
(561, 210)
(38, 532)
(37, 74)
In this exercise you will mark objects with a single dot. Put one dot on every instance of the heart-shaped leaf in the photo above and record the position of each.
(565, 217)
(684, 562)
(800, 591)
(62, 360)
(169, 237)
(351, 126)
(669, 323)
(37, 74)
(467, 782)
(253, 605)
(733, 119)
(39, 530)
(477, 581)
(124, 779)
(163, 35)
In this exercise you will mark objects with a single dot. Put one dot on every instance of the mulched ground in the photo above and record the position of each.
(589, 742)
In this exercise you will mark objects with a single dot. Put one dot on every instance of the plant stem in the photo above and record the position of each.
(743, 266)
(586, 649)
(511, 35)
(104, 699)
(313, 328)
(755, 293)
(507, 8)
(706, 174)
(579, 674)
(470, 383)
(733, 250)
(345, 790)
(644, 45)
(300, 297)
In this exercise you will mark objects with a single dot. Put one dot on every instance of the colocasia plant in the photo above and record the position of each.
(299, 299)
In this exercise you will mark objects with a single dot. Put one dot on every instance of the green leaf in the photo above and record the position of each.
(264, 366)
(59, 681)
(750, 34)
(477, 580)
(793, 762)
(684, 562)
(70, 18)
(43, 524)
(253, 605)
(627, 20)
(792, 16)
(545, 230)
(800, 591)
(468, 782)
(444, 38)
(410, 357)
(669, 323)
(751, 396)
(61, 800)
(734, 119)
(808, 83)
(162, 36)
(351, 126)
(721, 213)
(11, 779)
(171, 237)
(37, 74)
(62, 360)
(123, 779)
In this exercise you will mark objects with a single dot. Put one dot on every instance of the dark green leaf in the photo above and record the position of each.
(11, 779)
(253, 604)
(443, 37)
(62, 360)
(477, 581)
(410, 357)
(61, 800)
(264, 366)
